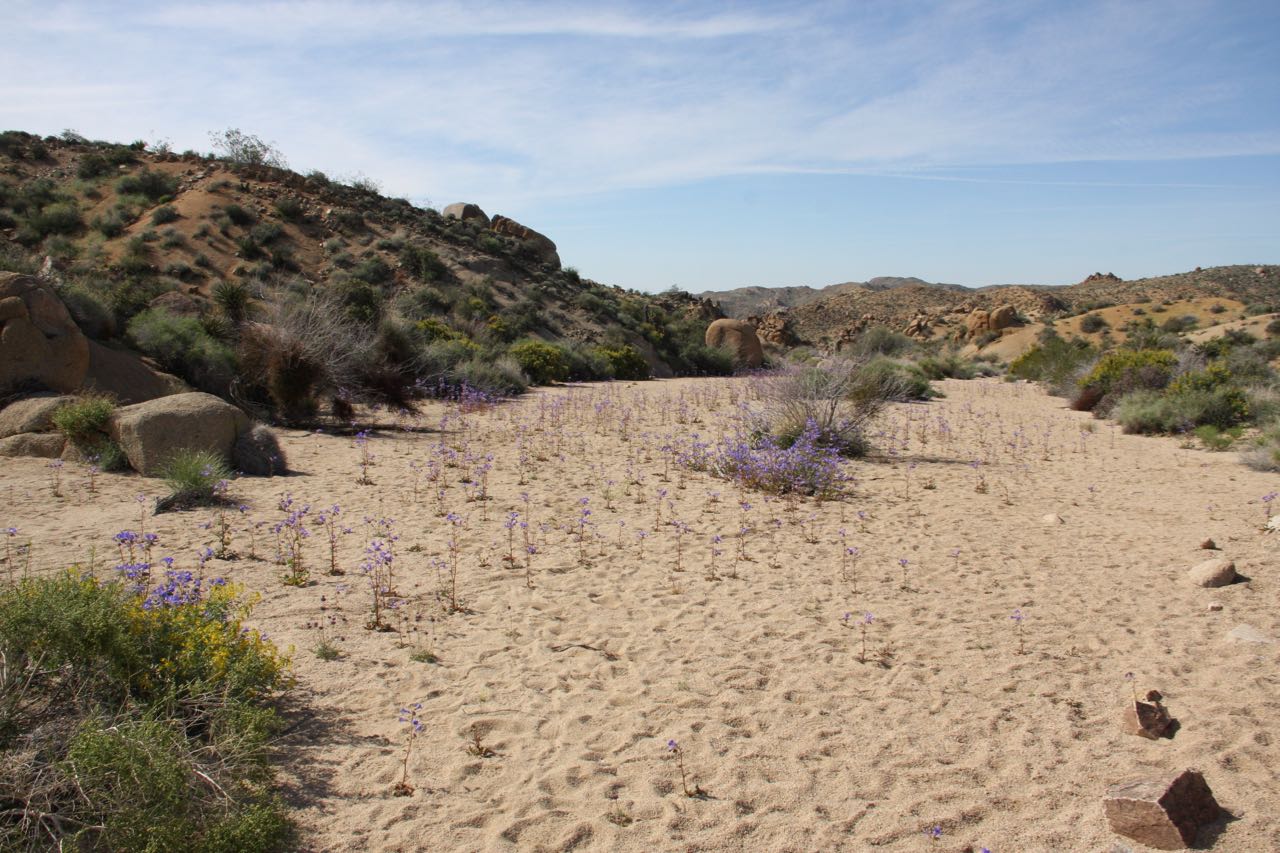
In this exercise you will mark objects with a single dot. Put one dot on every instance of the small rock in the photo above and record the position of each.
(1051, 518)
(1247, 634)
(1212, 573)
(1148, 719)
(1162, 812)
(1273, 523)
(1208, 545)
(1214, 606)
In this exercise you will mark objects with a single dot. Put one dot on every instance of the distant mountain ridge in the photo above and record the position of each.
(756, 300)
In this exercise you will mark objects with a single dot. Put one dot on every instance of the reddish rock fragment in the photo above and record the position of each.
(1163, 812)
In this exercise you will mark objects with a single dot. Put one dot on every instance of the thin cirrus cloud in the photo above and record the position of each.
(518, 103)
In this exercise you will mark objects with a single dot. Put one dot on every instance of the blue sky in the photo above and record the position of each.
(720, 145)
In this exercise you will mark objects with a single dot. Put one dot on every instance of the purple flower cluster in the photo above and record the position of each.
(808, 466)
(179, 588)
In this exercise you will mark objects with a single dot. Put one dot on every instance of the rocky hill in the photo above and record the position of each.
(932, 312)
(743, 302)
(198, 261)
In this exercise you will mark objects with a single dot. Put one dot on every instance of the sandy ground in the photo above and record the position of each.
(1003, 736)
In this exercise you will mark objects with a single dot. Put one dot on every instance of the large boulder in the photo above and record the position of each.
(150, 433)
(466, 211)
(39, 342)
(739, 338)
(34, 414)
(1003, 317)
(541, 243)
(46, 445)
(126, 377)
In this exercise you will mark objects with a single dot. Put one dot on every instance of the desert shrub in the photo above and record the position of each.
(698, 359)
(1213, 438)
(1176, 325)
(89, 309)
(502, 377)
(151, 185)
(432, 329)
(625, 362)
(131, 295)
(266, 233)
(1093, 323)
(901, 380)
(246, 149)
(1263, 453)
(163, 214)
(880, 340)
(1273, 328)
(756, 460)
(233, 298)
(239, 215)
(92, 165)
(85, 421)
(361, 300)
(114, 695)
(424, 302)
(373, 270)
(950, 366)
(110, 224)
(1150, 411)
(171, 238)
(422, 263)
(57, 218)
(1122, 371)
(290, 208)
(194, 477)
(542, 362)
(1229, 341)
(829, 405)
(303, 346)
(257, 453)
(183, 346)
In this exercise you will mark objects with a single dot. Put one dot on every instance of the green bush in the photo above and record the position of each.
(233, 298)
(542, 362)
(183, 346)
(1093, 323)
(1176, 325)
(1263, 454)
(951, 366)
(238, 215)
(152, 185)
(163, 214)
(880, 340)
(142, 710)
(194, 477)
(422, 263)
(1150, 411)
(110, 224)
(290, 209)
(895, 380)
(503, 376)
(85, 420)
(1125, 370)
(625, 362)
(698, 359)
(57, 218)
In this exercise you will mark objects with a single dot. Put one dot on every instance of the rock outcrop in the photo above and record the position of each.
(540, 242)
(33, 414)
(738, 337)
(39, 342)
(467, 212)
(1165, 812)
(150, 433)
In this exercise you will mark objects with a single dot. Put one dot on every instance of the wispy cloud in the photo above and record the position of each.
(509, 103)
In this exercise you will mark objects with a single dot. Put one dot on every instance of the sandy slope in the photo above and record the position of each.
(798, 744)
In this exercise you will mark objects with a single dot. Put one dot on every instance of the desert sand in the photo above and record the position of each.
(1003, 734)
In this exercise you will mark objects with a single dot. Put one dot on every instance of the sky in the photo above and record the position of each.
(719, 145)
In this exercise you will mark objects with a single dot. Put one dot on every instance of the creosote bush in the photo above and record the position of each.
(542, 362)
